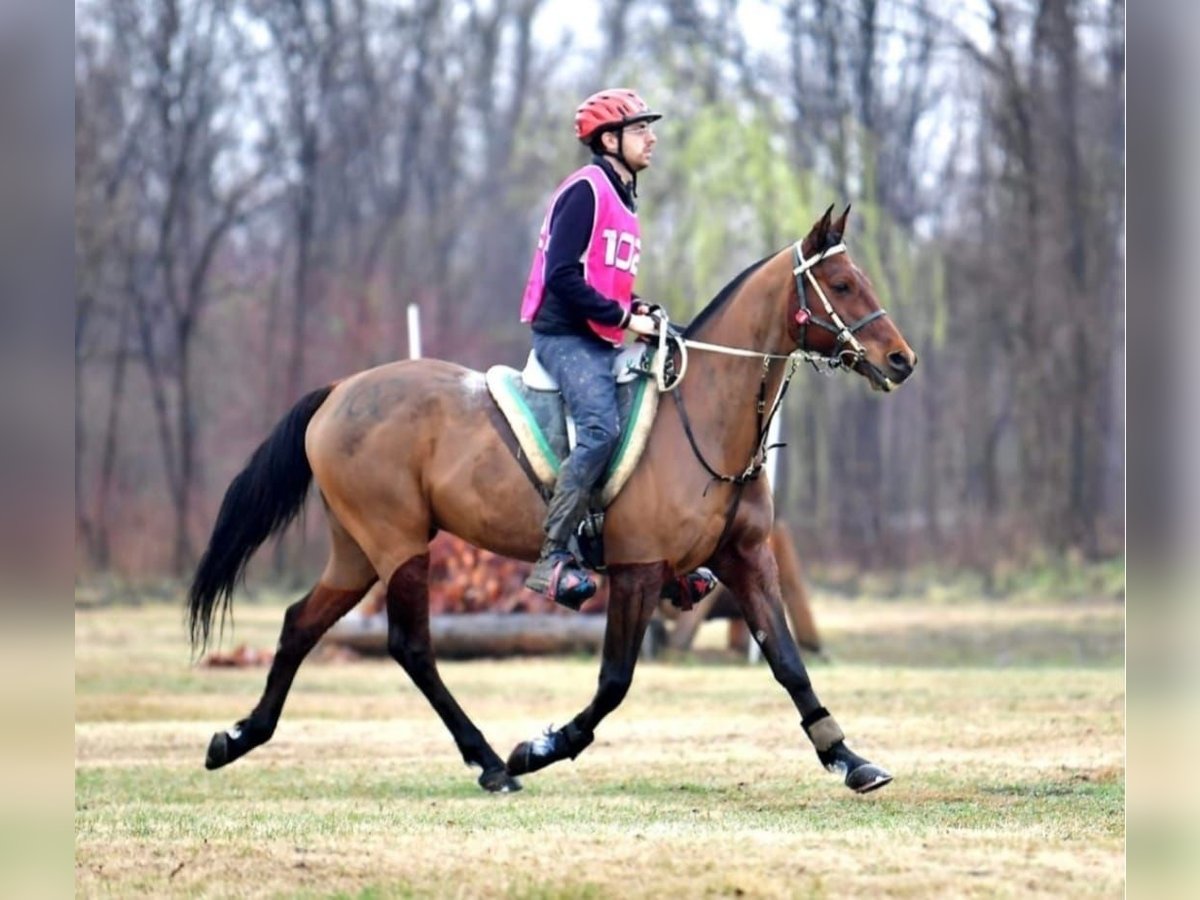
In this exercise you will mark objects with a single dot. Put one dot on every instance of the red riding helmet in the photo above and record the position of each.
(609, 109)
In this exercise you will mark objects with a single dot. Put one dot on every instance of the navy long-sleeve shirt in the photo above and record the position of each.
(570, 301)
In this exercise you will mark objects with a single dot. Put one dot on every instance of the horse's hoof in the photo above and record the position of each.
(565, 743)
(530, 756)
(218, 751)
(860, 776)
(866, 778)
(521, 760)
(498, 781)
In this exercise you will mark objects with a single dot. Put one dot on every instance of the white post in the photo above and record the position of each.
(753, 651)
(414, 331)
(773, 455)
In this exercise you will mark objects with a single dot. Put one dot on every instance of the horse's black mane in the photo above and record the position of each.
(718, 301)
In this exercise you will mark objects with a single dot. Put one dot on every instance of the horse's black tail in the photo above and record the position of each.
(263, 499)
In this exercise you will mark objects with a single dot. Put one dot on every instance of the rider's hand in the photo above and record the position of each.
(645, 308)
(643, 325)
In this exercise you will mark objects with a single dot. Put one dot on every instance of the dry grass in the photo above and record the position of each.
(1009, 780)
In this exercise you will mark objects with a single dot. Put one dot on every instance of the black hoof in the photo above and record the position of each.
(498, 781)
(524, 759)
(860, 776)
(218, 752)
(566, 743)
(234, 743)
(866, 778)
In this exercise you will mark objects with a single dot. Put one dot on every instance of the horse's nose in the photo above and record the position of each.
(902, 363)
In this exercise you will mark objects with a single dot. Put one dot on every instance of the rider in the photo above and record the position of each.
(580, 301)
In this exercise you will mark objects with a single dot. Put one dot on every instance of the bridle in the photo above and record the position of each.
(848, 353)
(848, 349)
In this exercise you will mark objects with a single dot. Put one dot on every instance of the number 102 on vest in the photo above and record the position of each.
(622, 250)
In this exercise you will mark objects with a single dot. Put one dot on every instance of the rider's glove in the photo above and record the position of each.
(642, 324)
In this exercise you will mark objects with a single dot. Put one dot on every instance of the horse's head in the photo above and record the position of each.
(835, 313)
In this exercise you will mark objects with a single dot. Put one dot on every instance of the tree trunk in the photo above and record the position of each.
(116, 399)
(84, 528)
(186, 434)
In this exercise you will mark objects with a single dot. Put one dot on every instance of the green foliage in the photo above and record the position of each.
(1065, 576)
(727, 197)
(1045, 580)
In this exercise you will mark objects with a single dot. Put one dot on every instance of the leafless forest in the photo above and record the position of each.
(263, 186)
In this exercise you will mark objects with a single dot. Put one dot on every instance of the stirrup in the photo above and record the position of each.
(570, 584)
(567, 583)
(688, 589)
(589, 539)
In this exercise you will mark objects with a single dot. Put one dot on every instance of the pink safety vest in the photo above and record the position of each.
(610, 261)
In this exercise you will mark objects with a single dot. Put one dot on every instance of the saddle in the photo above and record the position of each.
(545, 432)
(533, 407)
(531, 403)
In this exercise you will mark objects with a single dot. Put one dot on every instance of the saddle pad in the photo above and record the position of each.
(539, 422)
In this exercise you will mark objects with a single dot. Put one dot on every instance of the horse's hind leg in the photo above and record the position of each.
(347, 577)
(634, 592)
(410, 645)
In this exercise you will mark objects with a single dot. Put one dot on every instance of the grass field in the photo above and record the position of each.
(1003, 724)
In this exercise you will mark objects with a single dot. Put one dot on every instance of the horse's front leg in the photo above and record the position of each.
(750, 572)
(633, 596)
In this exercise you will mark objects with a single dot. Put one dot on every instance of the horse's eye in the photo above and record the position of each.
(842, 287)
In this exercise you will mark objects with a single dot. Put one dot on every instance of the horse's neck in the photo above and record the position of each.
(754, 318)
(726, 409)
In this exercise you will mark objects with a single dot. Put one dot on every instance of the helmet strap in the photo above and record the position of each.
(625, 162)
(600, 150)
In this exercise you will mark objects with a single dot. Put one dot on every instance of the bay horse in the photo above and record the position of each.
(406, 449)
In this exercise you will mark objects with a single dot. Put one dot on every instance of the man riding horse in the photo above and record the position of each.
(579, 301)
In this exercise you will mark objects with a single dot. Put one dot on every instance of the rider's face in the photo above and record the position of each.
(638, 144)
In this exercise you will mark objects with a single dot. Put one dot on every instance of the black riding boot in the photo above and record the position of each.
(557, 574)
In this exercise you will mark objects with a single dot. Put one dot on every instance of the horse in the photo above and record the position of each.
(409, 448)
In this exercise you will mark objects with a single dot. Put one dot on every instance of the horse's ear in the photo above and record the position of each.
(840, 225)
(820, 231)
(826, 220)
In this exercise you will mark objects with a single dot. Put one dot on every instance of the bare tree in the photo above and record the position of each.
(185, 206)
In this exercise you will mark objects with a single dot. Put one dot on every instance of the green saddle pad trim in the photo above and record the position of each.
(629, 426)
(512, 389)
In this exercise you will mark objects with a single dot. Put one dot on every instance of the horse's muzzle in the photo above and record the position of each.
(901, 363)
(897, 369)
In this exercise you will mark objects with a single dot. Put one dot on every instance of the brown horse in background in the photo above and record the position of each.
(403, 450)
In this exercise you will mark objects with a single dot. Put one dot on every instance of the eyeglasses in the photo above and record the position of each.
(639, 129)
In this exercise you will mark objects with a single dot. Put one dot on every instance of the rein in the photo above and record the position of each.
(849, 353)
(763, 425)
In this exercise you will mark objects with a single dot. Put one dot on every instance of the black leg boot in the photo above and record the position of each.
(557, 574)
